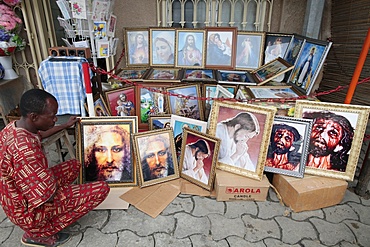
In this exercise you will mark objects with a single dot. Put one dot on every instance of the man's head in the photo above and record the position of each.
(190, 40)
(108, 148)
(331, 134)
(156, 156)
(201, 149)
(244, 125)
(40, 107)
(282, 138)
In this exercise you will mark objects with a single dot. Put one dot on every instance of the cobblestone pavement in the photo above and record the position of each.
(202, 221)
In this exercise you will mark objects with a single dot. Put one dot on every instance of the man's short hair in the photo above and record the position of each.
(34, 100)
(289, 128)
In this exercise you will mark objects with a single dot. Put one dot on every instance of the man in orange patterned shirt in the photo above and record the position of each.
(41, 200)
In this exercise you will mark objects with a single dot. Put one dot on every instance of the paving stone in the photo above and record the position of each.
(2, 215)
(76, 238)
(311, 243)
(268, 210)
(206, 241)
(179, 205)
(365, 201)
(301, 216)
(240, 242)
(350, 196)
(272, 196)
(166, 240)
(5, 234)
(188, 225)
(293, 231)
(14, 240)
(361, 232)
(277, 243)
(346, 244)
(138, 222)
(204, 206)
(6, 223)
(258, 229)
(236, 209)
(362, 211)
(222, 227)
(339, 213)
(327, 230)
(128, 238)
(95, 218)
(100, 239)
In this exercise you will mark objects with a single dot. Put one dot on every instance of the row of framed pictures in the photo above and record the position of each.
(192, 100)
(228, 49)
(321, 139)
(258, 77)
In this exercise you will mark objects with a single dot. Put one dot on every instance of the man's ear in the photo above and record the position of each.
(237, 126)
(338, 148)
(33, 116)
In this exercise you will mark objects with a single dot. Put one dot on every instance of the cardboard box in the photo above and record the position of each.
(231, 187)
(152, 200)
(310, 192)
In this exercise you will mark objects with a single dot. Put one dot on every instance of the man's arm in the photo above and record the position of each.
(71, 121)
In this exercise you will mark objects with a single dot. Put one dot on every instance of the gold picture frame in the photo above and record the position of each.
(202, 148)
(342, 142)
(92, 149)
(153, 145)
(247, 156)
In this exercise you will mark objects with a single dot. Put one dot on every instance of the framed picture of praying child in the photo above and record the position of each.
(104, 148)
(199, 155)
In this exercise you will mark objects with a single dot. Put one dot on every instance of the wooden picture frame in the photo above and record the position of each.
(178, 123)
(153, 145)
(163, 75)
(184, 101)
(199, 148)
(121, 101)
(235, 77)
(100, 108)
(209, 92)
(249, 50)
(288, 148)
(294, 48)
(308, 64)
(247, 156)
(273, 92)
(345, 125)
(190, 48)
(159, 122)
(97, 135)
(276, 45)
(150, 101)
(162, 45)
(130, 74)
(271, 70)
(221, 47)
(137, 47)
(199, 75)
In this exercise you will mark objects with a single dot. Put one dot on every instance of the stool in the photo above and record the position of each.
(56, 138)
